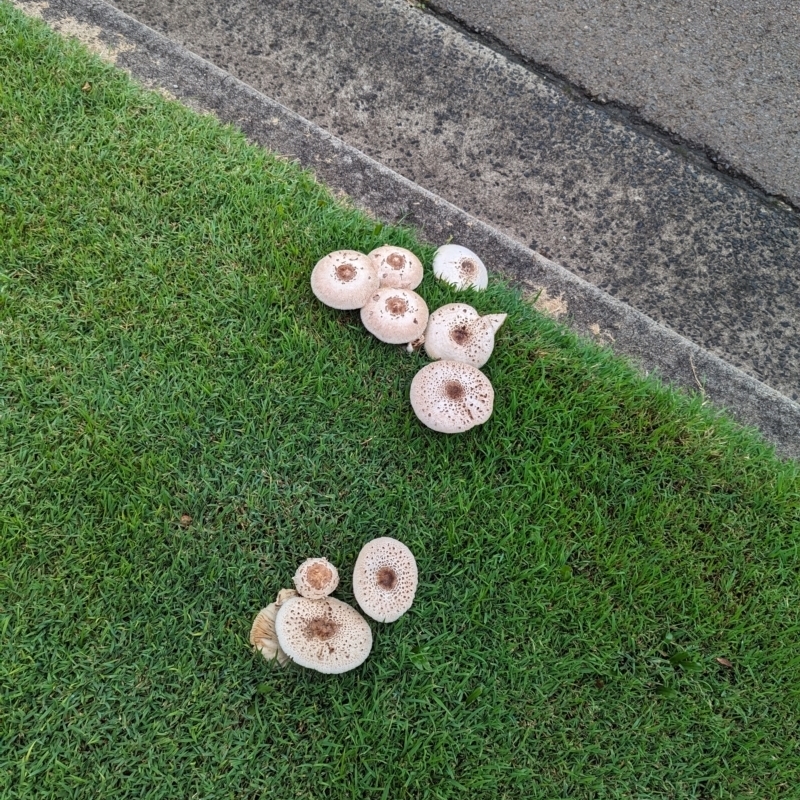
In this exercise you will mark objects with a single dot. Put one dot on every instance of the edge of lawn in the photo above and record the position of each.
(159, 63)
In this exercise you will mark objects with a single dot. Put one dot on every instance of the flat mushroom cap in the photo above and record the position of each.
(397, 267)
(315, 578)
(396, 316)
(385, 579)
(344, 279)
(451, 397)
(326, 635)
(457, 332)
(460, 266)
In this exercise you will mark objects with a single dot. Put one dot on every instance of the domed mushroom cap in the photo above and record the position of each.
(262, 633)
(460, 266)
(451, 397)
(385, 579)
(326, 635)
(315, 578)
(396, 316)
(457, 332)
(344, 279)
(397, 267)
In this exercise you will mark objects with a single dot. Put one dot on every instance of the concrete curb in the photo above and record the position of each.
(161, 63)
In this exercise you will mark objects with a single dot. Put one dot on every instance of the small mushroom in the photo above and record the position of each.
(385, 579)
(397, 267)
(326, 635)
(451, 397)
(457, 332)
(396, 316)
(344, 279)
(460, 266)
(262, 634)
(315, 578)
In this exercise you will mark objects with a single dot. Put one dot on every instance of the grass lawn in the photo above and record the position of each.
(609, 571)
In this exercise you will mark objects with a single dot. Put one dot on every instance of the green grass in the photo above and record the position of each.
(609, 571)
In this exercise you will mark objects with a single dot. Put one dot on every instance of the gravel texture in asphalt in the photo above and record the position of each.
(723, 76)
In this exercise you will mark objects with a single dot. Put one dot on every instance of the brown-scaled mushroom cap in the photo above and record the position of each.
(457, 332)
(326, 635)
(397, 267)
(385, 579)
(451, 397)
(396, 316)
(344, 279)
(315, 578)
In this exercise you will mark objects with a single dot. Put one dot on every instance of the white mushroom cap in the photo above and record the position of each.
(326, 635)
(457, 332)
(397, 267)
(385, 579)
(460, 266)
(315, 578)
(344, 279)
(396, 316)
(262, 634)
(451, 397)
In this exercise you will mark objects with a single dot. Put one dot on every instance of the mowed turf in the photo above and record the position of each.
(608, 605)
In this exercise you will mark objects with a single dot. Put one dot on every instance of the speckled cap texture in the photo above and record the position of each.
(451, 397)
(326, 635)
(385, 579)
(316, 578)
(458, 333)
(396, 316)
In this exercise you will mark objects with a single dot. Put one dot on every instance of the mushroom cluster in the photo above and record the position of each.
(308, 627)
(450, 395)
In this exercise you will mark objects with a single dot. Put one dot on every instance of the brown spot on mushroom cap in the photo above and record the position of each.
(467, 268)
(316, 577)
(454, 390)
(396, 305)
(346, 272)
(385, 579)
(397, 267)
(460, 334)
(396, 316)
(326, 635)
(451, 397)
(344, 279)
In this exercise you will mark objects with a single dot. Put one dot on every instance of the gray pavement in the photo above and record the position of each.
(682, 244)
(744, 218)
(724, 77)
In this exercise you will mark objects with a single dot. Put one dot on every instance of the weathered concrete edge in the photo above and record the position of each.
(158, 62)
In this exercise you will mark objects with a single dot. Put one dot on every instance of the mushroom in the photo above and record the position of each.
(457, 332)
(460, 266)
(385, 579)
(315, 578)
(396, 316)
(262, 634)
(451, 397)
(326, 635)
(397, 267)
(344, 279)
